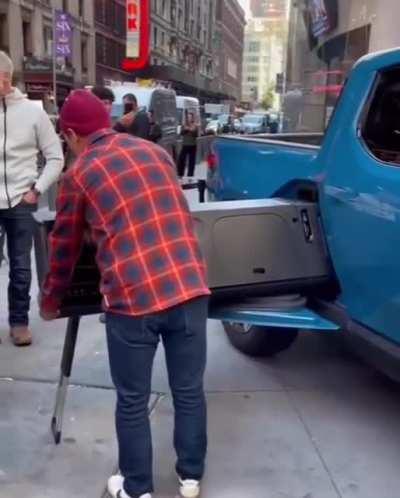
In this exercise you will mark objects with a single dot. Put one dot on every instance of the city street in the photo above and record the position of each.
(288, 112)
(311, 423)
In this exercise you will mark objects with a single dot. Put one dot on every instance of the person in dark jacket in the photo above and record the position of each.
(105, 95)
(190, 132)
(134, 121)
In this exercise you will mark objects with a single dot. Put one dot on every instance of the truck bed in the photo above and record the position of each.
(257, 166)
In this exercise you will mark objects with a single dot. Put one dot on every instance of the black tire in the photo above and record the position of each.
(254, 340)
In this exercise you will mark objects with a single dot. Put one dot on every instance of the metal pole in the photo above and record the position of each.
(65, 374)
(54, 62)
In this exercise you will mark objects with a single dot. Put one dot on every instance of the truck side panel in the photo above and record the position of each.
(360, 202)
(256, 168)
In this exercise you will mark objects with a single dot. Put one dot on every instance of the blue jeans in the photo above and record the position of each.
(132, 344)
(19, 226)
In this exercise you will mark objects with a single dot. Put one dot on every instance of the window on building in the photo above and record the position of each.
(120, 20)
(100, 11)
(100, 49)
(48, 41)
(85, 54)
(155, 36)
(254, 46)
(81, 8)
(162, 39)
(27, 38)
(65, 5)
(3, 32)
(180, 17)
(252, 79)
(253, 69)
(110, 14)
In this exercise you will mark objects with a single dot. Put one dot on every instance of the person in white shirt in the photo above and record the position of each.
(25, 131)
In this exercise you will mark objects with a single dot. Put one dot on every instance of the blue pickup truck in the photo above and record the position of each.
(353, 174)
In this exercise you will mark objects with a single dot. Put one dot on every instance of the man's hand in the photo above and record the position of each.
(127, 119)
(49, 315)
(31, 197)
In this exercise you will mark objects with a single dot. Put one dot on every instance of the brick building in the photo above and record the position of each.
(230, 24)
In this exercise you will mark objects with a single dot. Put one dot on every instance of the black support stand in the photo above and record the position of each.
(71, 335)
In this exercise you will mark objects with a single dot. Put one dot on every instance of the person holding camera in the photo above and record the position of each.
(190, 132)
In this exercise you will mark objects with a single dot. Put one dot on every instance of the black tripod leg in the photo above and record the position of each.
(66, 367)
(202, 186)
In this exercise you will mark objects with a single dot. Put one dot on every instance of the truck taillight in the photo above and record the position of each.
(212, 161)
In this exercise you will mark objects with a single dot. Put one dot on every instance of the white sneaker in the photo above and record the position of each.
(189, 488)
(115, 488)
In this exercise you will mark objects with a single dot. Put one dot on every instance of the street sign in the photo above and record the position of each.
(137, 35)
(63, 34)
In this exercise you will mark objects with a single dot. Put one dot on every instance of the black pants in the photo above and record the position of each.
(132, 344)
(187, 152)
(19, 225)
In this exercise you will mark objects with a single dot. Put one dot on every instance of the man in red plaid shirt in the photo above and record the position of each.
(125, 193)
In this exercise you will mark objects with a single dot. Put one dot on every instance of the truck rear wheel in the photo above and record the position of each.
(254, 340)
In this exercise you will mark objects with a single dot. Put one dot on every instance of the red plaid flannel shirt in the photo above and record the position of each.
(124, 190)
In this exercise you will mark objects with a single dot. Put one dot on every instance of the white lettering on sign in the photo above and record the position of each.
(133, 29)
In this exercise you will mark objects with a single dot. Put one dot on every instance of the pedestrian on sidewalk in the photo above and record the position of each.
(25, 131)
(190, 133)
(106, 95)
(135, 121)
(124, 190)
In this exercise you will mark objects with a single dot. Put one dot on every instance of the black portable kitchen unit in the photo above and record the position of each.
(261, 247)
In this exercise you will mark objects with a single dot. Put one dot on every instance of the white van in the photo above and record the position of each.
(185, 105)
(160, 101)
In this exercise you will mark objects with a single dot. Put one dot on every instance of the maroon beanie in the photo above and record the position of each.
(84, 113)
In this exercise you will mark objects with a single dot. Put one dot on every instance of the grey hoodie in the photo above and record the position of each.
(25, 130)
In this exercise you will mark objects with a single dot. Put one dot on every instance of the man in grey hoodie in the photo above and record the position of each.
(25, 130)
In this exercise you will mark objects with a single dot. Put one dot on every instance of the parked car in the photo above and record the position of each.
(213, 127)
(254, 123)
(352, 177)
(226, 123)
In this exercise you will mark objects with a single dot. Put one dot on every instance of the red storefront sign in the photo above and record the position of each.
(137, 35)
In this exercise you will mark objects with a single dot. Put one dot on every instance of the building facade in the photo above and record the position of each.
(264, 50)
(181, 45)
(324, 44)
(110, 29)
(188, 40)
(268, 8)
(26, 33)
(230, 24)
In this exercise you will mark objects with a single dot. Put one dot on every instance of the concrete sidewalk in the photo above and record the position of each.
(310, 423)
